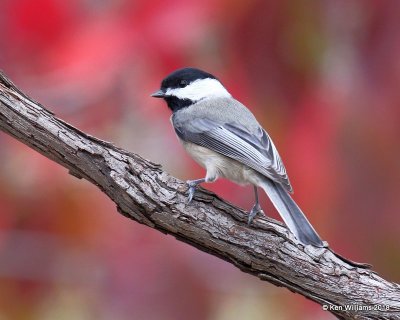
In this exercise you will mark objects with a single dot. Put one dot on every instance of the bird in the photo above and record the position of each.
(225, 138)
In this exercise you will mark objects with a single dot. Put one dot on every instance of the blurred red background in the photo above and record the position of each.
(321, 76)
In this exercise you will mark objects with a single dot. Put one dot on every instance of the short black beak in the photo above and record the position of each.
(158, 94)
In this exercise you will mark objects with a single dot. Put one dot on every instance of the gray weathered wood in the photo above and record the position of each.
(148, 195)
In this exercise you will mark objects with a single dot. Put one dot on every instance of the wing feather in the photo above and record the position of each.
(232, 140)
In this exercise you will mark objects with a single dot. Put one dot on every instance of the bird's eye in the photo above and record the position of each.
(183, 83)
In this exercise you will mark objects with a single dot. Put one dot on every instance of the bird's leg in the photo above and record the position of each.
(256, 208)
(192, 187)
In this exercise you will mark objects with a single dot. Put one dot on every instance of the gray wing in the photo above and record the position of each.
(232, 140)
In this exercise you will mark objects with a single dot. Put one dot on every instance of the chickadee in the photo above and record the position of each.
(224, 137)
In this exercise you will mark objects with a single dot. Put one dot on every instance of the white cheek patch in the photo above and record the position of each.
(200, 89)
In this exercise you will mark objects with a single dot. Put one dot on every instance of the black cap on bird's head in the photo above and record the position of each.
(186, 86)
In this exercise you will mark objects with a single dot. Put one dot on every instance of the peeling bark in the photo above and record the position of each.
(148, 195)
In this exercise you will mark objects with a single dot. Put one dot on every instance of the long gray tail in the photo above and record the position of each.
(291, 214)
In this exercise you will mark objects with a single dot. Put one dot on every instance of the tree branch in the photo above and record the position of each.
(148, 195)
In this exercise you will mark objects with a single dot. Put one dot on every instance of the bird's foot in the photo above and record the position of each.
(253, 212)
(192, 184)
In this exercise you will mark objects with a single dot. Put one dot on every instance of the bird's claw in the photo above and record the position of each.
(191, 194)
(192, 188)
(253, 212)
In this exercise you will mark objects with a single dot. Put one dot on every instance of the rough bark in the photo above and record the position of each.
(148, 195)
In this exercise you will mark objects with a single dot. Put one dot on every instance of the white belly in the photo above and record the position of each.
(218, 165)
